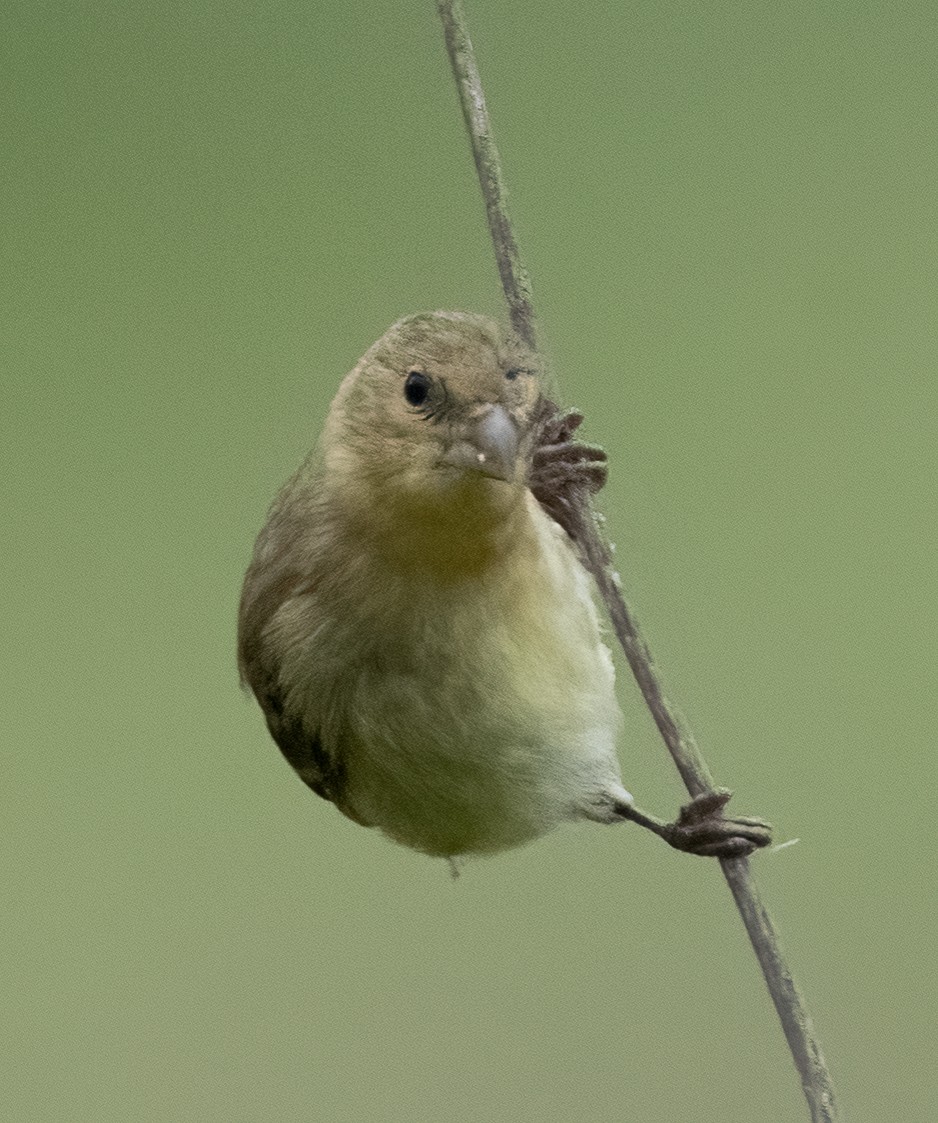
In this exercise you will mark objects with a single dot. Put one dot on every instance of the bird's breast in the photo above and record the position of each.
(479, 709)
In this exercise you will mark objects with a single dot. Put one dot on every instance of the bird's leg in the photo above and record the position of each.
(564, 472)
(563, 469)
(701, 829)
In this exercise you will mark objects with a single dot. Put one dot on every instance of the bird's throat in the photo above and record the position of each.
(457, 535)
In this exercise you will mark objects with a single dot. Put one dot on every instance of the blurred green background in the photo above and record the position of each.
(208, 212)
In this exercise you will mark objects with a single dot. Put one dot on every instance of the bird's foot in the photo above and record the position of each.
(563, 469)
(701, 829)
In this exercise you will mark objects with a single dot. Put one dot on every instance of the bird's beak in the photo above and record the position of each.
(488, 444)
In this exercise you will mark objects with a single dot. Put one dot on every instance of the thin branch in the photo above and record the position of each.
(789, 1003)
(515, 282)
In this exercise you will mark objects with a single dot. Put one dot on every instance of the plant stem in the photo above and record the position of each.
(789, 1003)
(514, 276)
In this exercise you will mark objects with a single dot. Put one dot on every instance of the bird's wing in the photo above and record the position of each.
(266, 589)
(320, 769)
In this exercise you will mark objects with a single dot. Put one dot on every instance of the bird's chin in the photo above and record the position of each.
(466, 459)
(489, 493)
(476, 492)
(478, 475)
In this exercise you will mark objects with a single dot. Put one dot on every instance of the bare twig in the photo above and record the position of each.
(515, 282)
(792, 1012)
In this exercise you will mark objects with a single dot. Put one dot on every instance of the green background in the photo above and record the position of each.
(209, 211)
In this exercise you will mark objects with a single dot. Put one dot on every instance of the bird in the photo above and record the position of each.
(416, 621)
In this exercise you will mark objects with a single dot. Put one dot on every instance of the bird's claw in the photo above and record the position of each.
(701, 829)
(564, 470)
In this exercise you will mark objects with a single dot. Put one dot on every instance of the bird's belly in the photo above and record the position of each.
(484, 734)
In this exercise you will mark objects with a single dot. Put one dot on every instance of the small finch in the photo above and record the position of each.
(418, 628)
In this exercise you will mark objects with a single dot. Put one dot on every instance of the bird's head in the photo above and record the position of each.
(436, 421)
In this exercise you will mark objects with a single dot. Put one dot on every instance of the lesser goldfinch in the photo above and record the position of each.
(415, 622)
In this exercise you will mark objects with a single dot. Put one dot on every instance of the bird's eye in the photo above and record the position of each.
(417, 388)
(512, 374)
